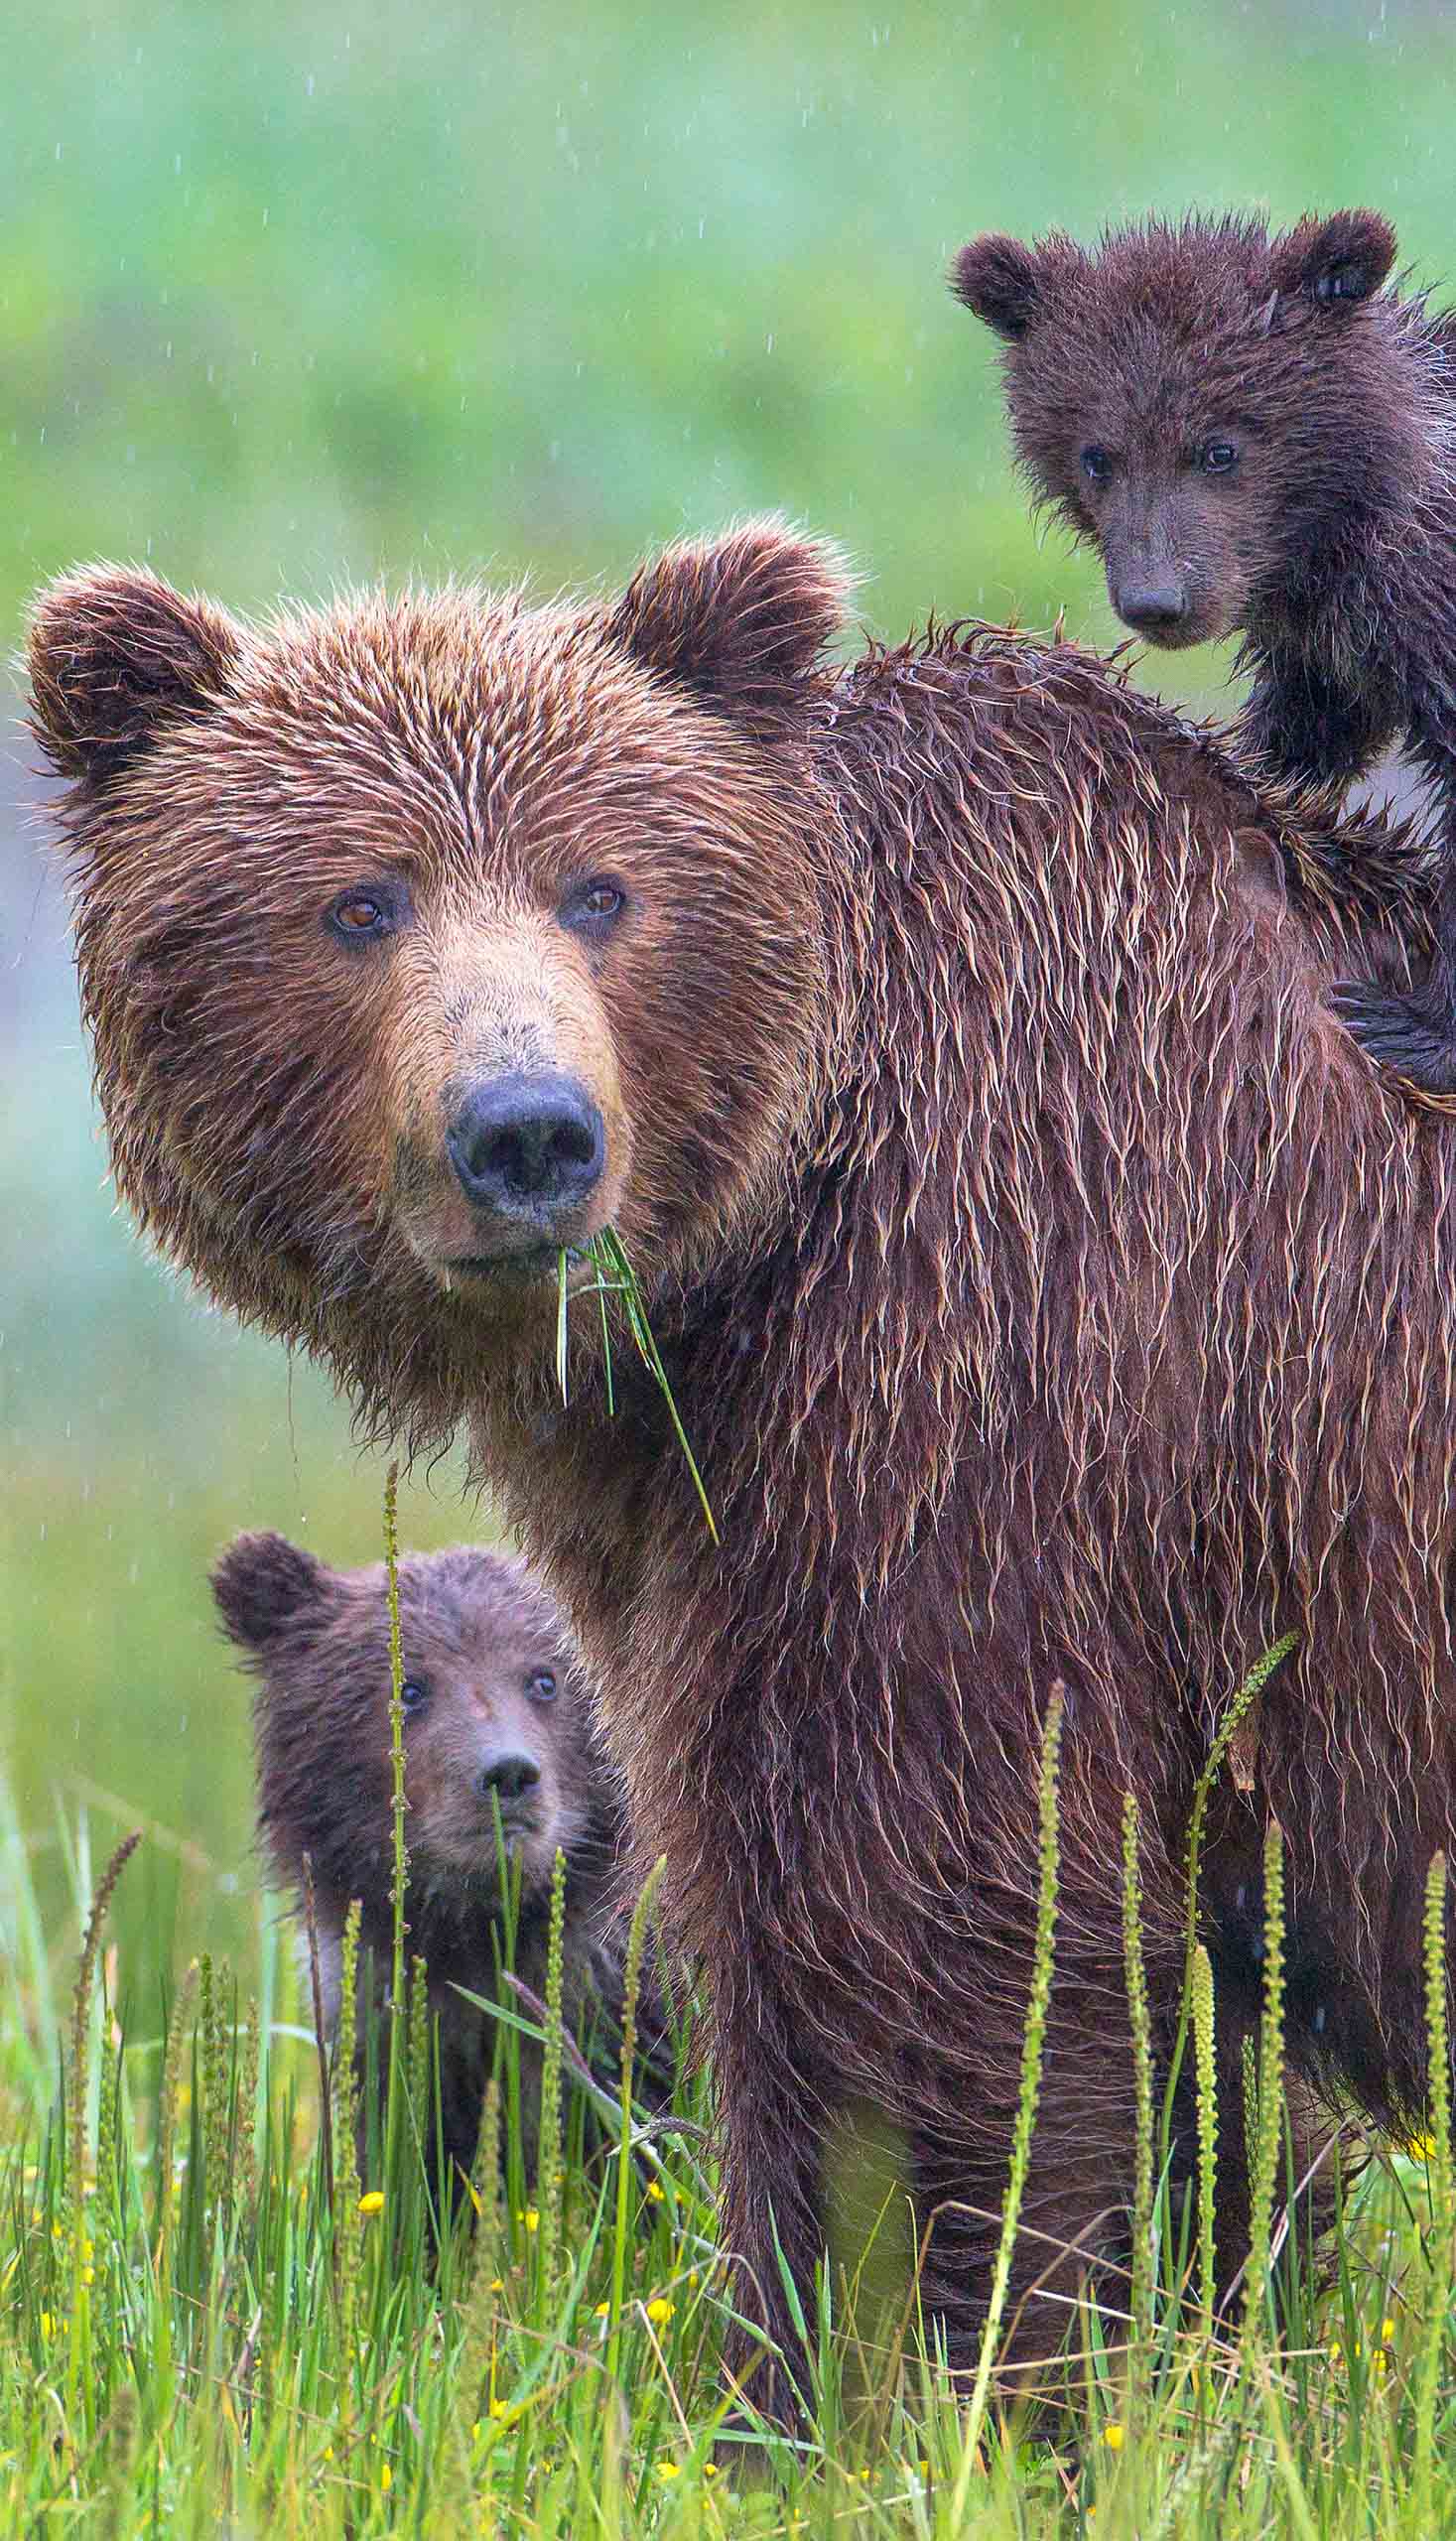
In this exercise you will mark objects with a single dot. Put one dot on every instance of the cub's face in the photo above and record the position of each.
(1204, 405)
(422, 941)
(496, 1728)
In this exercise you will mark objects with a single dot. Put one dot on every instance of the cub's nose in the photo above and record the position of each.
(526, 1147)
(509, 1778)
(1154, 609)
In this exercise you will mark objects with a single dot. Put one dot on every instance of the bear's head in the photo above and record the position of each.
(496, 1724)
(421, 940)
(1209, 406)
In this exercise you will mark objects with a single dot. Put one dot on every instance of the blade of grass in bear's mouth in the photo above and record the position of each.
(616, 1277)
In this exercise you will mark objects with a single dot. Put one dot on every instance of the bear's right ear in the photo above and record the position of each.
(999, 280)
(1345, 257)
(115, 655)
(263, 1584)
(741, 619)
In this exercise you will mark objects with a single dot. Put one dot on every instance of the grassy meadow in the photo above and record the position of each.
(295, 297)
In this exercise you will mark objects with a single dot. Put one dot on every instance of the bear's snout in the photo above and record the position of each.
(1154, 606)
(509, 1779)
(527, 1149)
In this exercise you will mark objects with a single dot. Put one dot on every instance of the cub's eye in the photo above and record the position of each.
(1096, 463)
(594, 908)
(413, 1695)
(360, 916)
(542, 1689)
(1217, 457)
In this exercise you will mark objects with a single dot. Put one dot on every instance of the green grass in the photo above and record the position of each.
(210, 2320)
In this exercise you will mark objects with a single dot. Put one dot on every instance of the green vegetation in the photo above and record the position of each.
(212, 2317)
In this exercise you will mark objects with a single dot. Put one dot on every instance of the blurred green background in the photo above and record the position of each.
(298, 294)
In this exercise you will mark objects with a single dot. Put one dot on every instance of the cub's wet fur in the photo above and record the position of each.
(1257, 435)
(501, 1752)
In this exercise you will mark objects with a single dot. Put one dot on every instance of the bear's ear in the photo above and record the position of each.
(740, 619)
(1345, 257)
(112, 656)
(1000, 280)
(263, 1585)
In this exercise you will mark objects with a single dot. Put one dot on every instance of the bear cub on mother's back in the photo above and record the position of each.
(501, 1751)
(1257, 437)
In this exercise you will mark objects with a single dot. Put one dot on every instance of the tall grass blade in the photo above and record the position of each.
(1032, 2040)
(1140, 2026)
(1269, 2105)
(1437, 2289)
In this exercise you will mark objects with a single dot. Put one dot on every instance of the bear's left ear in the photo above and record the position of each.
(113, 656)
(742, 621)
(264, 1585)
(1345, 257)
(1000, 282)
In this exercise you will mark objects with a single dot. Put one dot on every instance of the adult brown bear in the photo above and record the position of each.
(1048, 1289)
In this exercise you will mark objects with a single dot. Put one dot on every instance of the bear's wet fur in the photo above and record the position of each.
(501, 1751)
(1049, 1290)
(1259, 435)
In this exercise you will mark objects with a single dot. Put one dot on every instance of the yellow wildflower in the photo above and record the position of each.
(660, 2310)
(530, 2216)
(386, 2478)
(669, 2469)
(1388, 2332)
(48, 2324)
(656, 2192)
(372, 2201)
(1112, 2437)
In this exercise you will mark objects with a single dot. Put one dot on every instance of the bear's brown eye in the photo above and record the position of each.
(360, 916)
(593, 908)
(1096, 463)
(1217, 457)
(542, 1689)
(413, 1695)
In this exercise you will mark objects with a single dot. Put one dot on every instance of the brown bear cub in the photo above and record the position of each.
(1257, 437)
(1049, 1293)
(501, 1751)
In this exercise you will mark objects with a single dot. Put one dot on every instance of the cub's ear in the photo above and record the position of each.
(740, 619)
(1000, 281)
(112, 656)
(1345, 257)
(263, 1584)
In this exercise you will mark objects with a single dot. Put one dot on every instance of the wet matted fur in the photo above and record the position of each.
(1049, 1290)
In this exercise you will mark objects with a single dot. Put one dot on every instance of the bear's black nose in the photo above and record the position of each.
(526, 1147)
(1153, 608)
(509, 1778)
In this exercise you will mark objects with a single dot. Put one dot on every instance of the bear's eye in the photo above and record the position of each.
(360, 915)
(1096, 463)
(1217, 457)
(542, 1688)
(594, 908)
(413, 1695)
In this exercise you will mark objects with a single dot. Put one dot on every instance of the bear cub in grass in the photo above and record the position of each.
(1258, 438)
(497, 1731)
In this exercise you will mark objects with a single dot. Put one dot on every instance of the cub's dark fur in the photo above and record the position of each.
(1258, 435)
(497, 1719)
